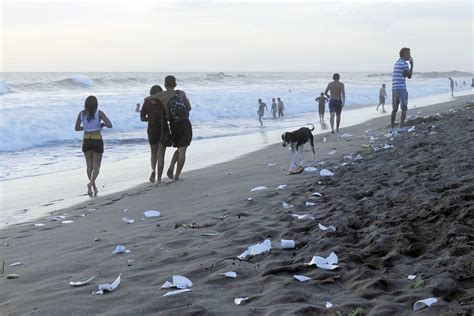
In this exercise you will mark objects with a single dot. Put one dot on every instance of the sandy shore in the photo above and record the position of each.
(401, 211)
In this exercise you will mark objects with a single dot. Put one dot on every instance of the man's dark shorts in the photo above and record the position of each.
(154, 135)
(181, 133)
(335, 106)
(95, 145)
(321, 109)
(400, 97)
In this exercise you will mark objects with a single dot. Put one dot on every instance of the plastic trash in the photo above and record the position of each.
(303, 216)
(177, 292)
(107, 287)
(230, 274)
(151, 213)
(329, 263)
(324, 228)
(256, 249)
(326, 173)
(427, 302)
(262, 188)
(179, 282)
(301, 278)
(287, 244)
(81, 283)
(286, 205)
(240, 300)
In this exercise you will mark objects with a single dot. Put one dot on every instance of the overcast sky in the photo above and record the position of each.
(155, 35)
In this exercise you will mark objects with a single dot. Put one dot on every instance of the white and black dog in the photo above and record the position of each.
(296, 140)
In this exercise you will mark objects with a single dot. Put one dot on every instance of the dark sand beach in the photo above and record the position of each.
(406, 210)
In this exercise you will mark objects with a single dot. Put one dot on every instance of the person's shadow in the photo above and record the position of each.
(323, 125)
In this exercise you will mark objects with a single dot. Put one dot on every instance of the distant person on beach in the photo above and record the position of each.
(451, 84)
(337, 100)
(281, 107)
(382, 96)
(274, 108)
(261, 110)
(137, 109)
(91, 121)
(177, 108)
(154, 113)
(399, 88)
(321, 105)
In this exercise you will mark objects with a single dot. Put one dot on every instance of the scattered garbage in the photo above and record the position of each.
(67, 222)
(329, 263)
(287, 244)
(152, 213)
(107, 287)
(125, 210)
(387, 146)
(309, 204)
(411, 277)
(326, 173)
(39, 224)
(303, 216)
(310, 169)
(121, 249)
(346, 136)
(179, 282)
(332, 152)
(325, 228)
(262, 188)
(427, 302)
(256, 249)
(81, 283)
(301, 278)
(128, 221)
(317, 194)
(286, 205)
(329, 304)
(230, 274)
(272, 164)
(176, 292)
(282, 187)
(58, 218)
(15, 264)
(240, 300)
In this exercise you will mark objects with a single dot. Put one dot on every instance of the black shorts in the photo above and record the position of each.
(95, 145)
(181, 133)
(321, 108)
(154, 135)
(335, 106)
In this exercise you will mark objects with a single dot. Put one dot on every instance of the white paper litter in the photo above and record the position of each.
(427, 302)
(179, 282)
(329, 304)
(125, 210)
(256, 249)
(329, 263)
(128, 221)
(120, 249)
(387, 146)
(81, 283)
(259, 189)
(310, 204)
(326, 173)
(282, 187)
(230, 274)
(239, 300)
(39, 224)
(324, 139)
(310, 169)
(209, 234)
(287, 244)
(332, 152)
(411, 277)
(151, 213)
(302, 216)
(324, 228)
(177, 292)
(272, 164)
(15, 264)
(286, 205)
(67, 222)
(107, 287)
(346, 136)
(301, 278)
(249, 199)
(58, 218)
(317, 194)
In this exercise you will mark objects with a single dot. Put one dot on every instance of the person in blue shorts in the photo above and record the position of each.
(399, 88)
(337, 98)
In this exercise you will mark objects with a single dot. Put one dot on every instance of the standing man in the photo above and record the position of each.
(281, 107)
(399, 88)
(382, 96)
(274, 108)
(451, 83)
(261, 110)
(321, 105)
(337, 100)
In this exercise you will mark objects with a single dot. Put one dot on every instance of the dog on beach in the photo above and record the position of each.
(296, 140)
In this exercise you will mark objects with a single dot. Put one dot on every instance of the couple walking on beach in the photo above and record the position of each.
(160, 108)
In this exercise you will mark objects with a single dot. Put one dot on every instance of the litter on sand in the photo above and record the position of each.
(286, 205)
(128, 221)
(58, 218)
(107, 287)
(151, 213)
(326, 173)
(329, 263)
(324, 228)
(310, 169)
(179, 282)
(125, 210)
(12, 276)
(427, 302)
(15, 264)
(240, 300)
(317, 194)
(387, 146)
(67, 222)
(282, 187)
(411, 277)
(120, 249)
(332, 152)
(329, 304)
(230, 274)
(262, 188)
(209, 234)
(301, 278)
(287, 244)
(302, 216)
(346, 136)
(309, 204)
(256, 249)
(272, 164)
(39, 224)
(81, 283)
(177, 292)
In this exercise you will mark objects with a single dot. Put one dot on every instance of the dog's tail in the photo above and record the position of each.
(310, 125)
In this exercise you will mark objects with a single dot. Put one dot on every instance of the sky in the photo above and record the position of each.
(147, 35)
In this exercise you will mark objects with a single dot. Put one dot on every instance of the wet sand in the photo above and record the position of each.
(400, 211)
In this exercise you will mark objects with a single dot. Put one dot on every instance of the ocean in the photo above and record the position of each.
(38, 110)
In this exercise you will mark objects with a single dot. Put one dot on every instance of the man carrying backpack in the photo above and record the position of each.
(177, 109)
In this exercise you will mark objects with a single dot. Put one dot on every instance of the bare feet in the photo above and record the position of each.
(169, 173)
(89, 189)
(95, 189)
(152, 177)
